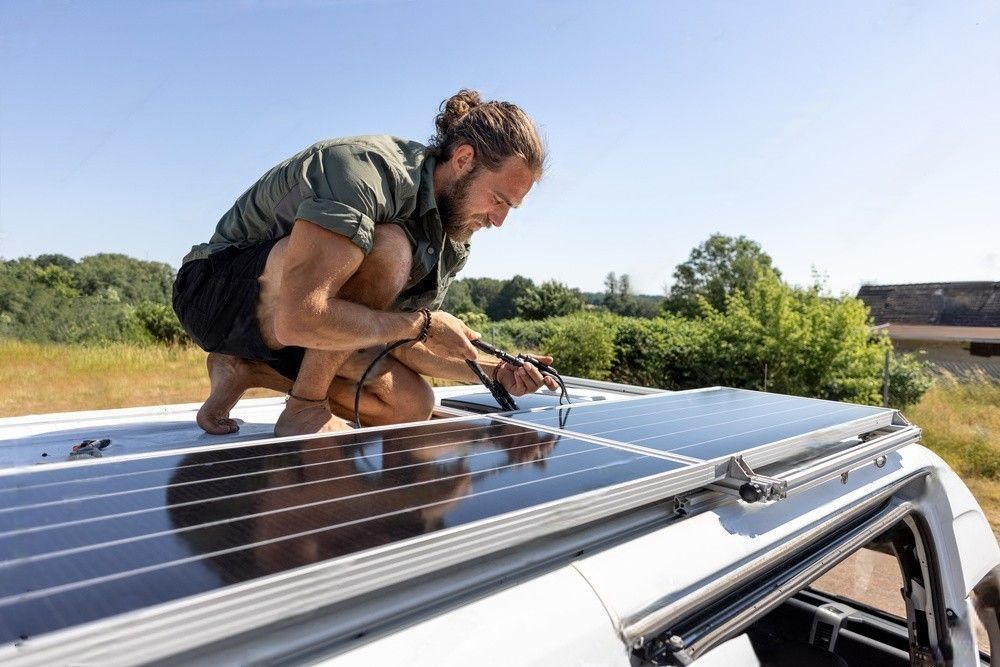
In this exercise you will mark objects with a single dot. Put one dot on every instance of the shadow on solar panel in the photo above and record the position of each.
(134, 538)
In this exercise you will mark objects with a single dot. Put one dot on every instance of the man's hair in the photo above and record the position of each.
(495, 130)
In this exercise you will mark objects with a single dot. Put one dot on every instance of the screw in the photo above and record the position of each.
(676, 641)
(880, 461)
(843, 477)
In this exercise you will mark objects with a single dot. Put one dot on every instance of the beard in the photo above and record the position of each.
(452, 206)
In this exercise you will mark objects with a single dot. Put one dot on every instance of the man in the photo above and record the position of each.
(345, 248)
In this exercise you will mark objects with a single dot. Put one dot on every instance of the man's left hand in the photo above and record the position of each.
(525, 379)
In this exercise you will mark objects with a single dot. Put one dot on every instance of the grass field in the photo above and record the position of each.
(961, 421)
(56, 378)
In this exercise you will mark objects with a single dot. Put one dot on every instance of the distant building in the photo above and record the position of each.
(956, 324)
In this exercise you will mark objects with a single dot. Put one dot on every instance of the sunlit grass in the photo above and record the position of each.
(38, 378)
(961, 422)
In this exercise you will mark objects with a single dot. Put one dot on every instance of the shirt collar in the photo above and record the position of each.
(425, 194)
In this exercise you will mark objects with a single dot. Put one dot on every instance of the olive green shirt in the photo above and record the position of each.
(348, 186)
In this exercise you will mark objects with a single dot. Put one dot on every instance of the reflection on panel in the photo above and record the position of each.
(704, 424)
(123, 536)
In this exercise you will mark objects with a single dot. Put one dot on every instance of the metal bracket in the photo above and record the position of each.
(741, 480)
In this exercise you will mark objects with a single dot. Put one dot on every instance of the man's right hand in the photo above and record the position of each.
(449, 337)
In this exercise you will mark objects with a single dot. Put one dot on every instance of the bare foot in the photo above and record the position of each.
(304, 417)
(228, 378)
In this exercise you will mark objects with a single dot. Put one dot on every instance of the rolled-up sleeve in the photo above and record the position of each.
(348, 192)
(341, 218)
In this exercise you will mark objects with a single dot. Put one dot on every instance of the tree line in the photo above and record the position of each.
(100, 299)
(728, 319)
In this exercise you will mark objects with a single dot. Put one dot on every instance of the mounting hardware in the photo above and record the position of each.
(880, 461)
(741, 480)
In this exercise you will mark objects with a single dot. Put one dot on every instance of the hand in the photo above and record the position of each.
(449, 337)
(525, 379)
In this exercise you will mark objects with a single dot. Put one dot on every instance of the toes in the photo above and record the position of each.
(217, 425)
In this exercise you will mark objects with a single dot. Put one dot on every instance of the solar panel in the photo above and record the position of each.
(87, 540)
(705, 425)
(130, 534)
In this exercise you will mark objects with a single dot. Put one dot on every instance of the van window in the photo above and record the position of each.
(867, 576)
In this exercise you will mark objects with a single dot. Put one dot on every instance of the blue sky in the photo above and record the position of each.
(859, 139)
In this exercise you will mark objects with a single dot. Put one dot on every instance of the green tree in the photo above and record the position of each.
(161, 323)
(502, 306)
(621, 300)
(458, 299)
(550, 299)
(484, 291)
(719, 267)
(104, 298)
(134, 280)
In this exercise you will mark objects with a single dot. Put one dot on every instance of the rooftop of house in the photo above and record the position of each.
(967, 304)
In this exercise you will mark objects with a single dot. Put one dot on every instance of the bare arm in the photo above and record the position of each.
(309, 314)
(518, 381)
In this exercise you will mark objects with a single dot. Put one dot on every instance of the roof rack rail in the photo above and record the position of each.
(739, 479)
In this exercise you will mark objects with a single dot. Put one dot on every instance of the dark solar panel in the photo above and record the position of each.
(82, 543)
(704, 424)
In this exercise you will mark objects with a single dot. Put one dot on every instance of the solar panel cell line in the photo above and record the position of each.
(125, 541)
(703, 424)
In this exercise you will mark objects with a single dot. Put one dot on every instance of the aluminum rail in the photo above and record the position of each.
(772, 592)
(741, 480)
(640, 628)
(872, 452)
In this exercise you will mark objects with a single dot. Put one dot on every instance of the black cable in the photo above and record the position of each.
(500, 393)
(364, 376)
(522, 359)
(421, 337)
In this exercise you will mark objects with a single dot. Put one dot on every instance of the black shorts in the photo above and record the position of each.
(216, 301)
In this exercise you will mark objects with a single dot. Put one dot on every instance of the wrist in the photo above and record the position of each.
(425, 325)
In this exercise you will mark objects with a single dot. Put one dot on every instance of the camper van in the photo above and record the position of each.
(610, 525)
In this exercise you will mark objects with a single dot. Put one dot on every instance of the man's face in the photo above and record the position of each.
(479, 198)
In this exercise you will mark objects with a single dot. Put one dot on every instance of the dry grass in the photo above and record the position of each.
(961, 420)
(55, 378)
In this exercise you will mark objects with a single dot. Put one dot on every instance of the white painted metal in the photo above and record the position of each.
(553, 620)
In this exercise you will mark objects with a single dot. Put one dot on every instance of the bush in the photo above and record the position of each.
(521, 335)
(983, 460)
(582, 345)
(909, 380)
(161, 324)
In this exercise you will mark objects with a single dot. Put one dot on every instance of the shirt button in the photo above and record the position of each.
(430, 251)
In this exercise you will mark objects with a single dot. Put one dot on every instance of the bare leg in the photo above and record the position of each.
(393, 393)
(230, 377)
(382, 276)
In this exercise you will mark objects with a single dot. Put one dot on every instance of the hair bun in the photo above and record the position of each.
(455, 108)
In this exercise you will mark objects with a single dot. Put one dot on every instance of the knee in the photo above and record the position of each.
(390, 258)
(415, 402)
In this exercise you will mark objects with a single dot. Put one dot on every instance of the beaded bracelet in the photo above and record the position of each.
(426, 330)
